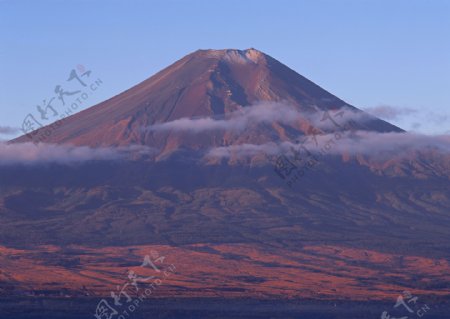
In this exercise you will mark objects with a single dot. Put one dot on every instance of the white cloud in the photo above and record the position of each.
(7, 130)
(29, 153)
(244, 150)
(260, 113)
(388, 112)
(417, 119)
(352, 143)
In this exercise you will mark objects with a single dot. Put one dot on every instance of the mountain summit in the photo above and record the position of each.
(205, 84)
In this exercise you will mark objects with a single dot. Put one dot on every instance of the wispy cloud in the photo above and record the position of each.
(260, 113)
(246, 150)
(29, 153)
(417, 119)
(388, 112)
(371, 143)
(7, 130)
(351, 143)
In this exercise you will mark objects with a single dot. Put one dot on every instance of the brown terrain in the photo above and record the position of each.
(354, 227)
(230, 271)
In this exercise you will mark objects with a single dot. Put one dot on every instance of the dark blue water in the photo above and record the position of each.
(59, 308)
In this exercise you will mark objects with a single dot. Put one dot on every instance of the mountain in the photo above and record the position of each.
(345, 226)
(203, 84)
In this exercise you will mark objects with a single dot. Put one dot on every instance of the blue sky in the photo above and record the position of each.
(369, 53)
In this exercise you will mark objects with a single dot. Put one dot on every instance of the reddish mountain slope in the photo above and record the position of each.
(206, 83)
